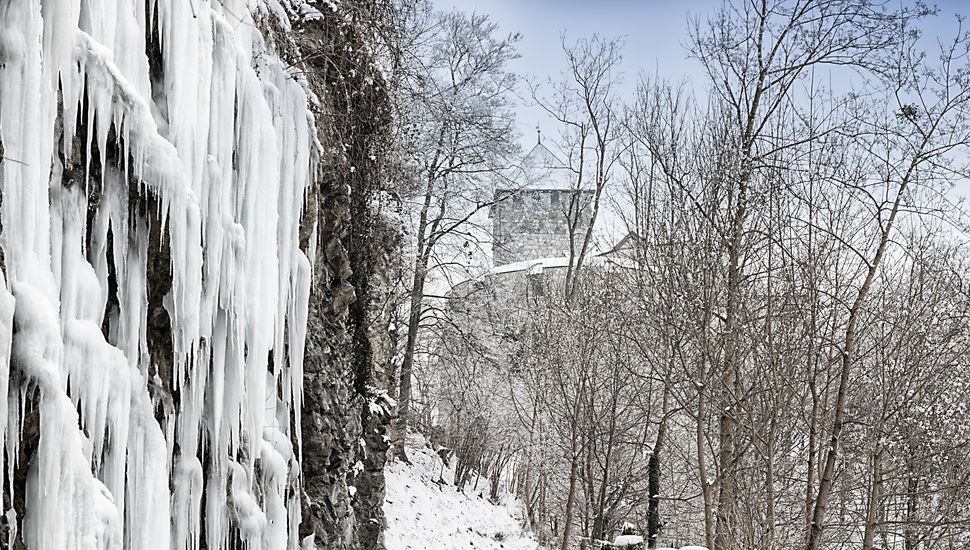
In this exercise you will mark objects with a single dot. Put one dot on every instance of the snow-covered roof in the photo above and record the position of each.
(532, 266)
(627, 540)
(538, 265)
(624, 247)
(541, 169)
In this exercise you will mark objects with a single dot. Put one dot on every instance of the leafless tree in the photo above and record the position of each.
(456, 94)
(586, 106)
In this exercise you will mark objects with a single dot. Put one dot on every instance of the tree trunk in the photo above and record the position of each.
(728, 459)
(770, 485)
(909, 533)
(653, 489)
(407, 363)
(814, 538)
(702, 472)
(414, 318)
(570, 500)
(872, 507)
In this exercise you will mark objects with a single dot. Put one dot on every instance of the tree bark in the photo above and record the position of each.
(653, 488)
(570, 500)
(814, 538)
(872, 506)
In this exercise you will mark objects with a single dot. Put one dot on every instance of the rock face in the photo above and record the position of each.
(348, 346)
(194, 262)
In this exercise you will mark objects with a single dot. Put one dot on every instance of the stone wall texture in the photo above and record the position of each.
(534, 223)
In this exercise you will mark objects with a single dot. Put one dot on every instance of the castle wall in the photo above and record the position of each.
(532, 224)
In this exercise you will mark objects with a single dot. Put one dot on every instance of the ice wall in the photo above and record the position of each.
(217, 132)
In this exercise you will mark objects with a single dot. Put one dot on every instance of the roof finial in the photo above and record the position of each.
(538, 135)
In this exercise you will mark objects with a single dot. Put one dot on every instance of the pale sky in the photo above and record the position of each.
(656, 34)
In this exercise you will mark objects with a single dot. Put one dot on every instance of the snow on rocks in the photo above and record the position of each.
(423, 513)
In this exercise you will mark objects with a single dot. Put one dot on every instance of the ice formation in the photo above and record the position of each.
(218, 133)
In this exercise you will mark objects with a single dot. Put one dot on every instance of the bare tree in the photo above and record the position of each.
(457, 98)
(755, 53)
(763, 361)
(585, 103)
(911, 150)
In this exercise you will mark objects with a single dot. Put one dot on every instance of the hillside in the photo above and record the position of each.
(423, 513)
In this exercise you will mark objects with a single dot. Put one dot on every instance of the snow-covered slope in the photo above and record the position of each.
(424, 514)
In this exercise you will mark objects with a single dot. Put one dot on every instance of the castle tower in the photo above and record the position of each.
(530, 216)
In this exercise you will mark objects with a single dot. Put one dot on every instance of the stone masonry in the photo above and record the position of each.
(531, 217)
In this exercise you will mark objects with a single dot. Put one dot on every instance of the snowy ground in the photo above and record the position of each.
(423, 514)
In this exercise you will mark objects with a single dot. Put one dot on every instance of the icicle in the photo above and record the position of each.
(6, 337)
(187, 502)
(219, 137)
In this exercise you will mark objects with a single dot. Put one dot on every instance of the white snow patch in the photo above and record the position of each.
(532, 266)
(427, 515)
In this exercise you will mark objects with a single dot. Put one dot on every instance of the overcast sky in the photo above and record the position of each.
(656, 33)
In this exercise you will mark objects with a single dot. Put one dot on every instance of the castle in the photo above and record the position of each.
(531, 215)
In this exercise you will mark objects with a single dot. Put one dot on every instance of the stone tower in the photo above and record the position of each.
(530, 215)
